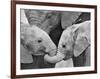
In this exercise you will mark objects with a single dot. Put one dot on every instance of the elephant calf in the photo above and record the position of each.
(74, 41)
(36, 42)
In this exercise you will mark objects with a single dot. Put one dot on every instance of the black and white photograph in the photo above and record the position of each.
(54, 39)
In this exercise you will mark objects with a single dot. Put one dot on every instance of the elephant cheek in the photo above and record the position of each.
(41, 50)
(67, 52)
(62, 50)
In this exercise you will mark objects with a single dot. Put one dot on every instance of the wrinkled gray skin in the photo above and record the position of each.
(36, 41)
(74, 40)
(49, 20)
(44, 19)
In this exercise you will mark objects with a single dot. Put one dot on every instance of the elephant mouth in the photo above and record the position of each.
(43, 52)
(40, 52)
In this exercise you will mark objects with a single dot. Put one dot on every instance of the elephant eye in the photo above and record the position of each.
(39, 40)
(64, 46)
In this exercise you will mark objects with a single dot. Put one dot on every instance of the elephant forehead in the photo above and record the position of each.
(35, 34)
(66, 35)
(34, 31)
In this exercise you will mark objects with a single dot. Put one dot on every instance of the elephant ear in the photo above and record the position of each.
(80, 45)
(26, 56)
(81, 40)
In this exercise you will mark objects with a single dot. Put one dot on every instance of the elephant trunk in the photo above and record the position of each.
(54, 59)
(51, 48)
(51, 52)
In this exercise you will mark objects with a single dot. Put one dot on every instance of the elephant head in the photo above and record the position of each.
(36, 41)
(74, 40)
